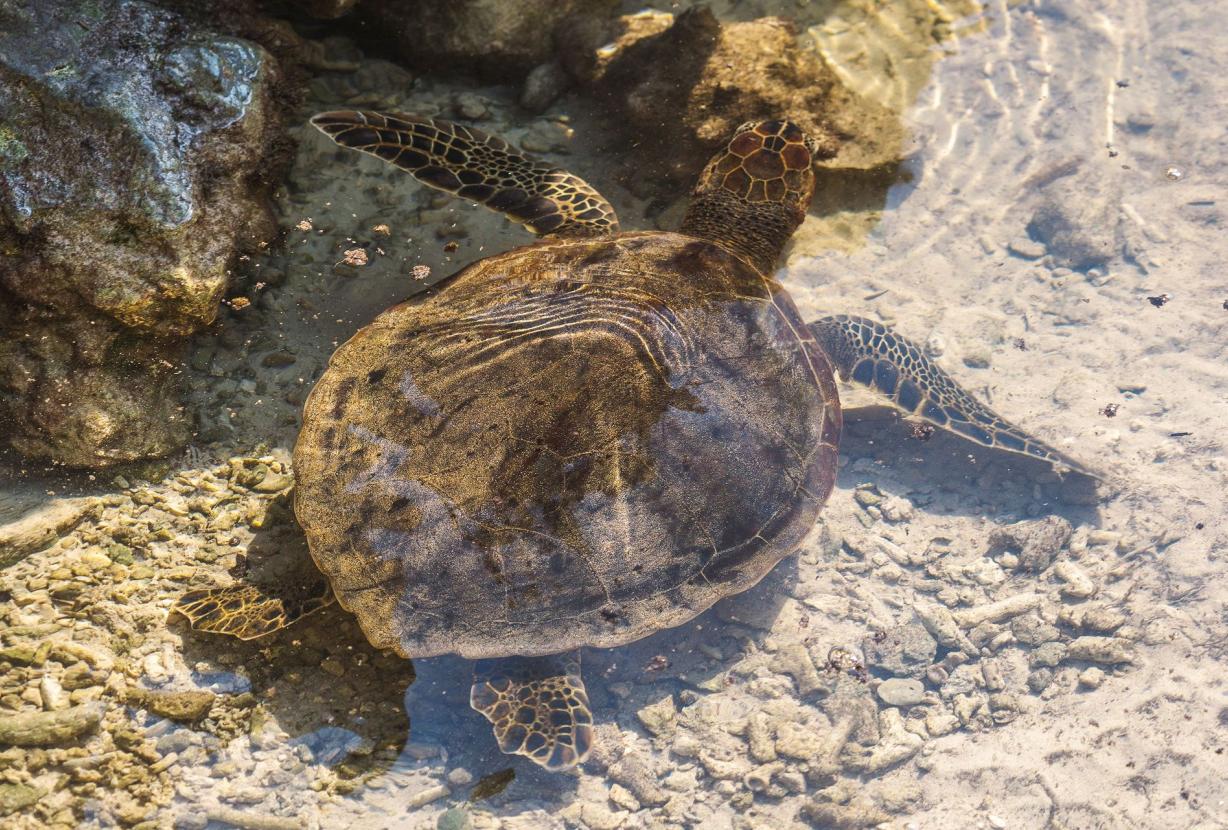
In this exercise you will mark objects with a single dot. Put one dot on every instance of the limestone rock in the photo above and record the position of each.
(116, 243)
(42, 526)
(904, 651)
(1036, 542)
(49, 728)
(497, 39)
(678, 86)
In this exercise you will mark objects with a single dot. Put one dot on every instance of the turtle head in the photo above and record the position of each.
(754, 192)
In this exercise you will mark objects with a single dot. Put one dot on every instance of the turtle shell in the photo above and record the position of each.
(576, 443)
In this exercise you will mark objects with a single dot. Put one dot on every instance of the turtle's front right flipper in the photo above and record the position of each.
(538, 707)
(871, 354)
(250, 611)
(475, 165)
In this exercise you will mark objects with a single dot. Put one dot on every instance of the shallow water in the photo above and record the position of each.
(1091, 692)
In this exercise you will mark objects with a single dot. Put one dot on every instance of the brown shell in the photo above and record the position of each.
(577, 443)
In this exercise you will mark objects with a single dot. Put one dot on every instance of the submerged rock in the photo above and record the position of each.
(129, 154)
(496, 39)
(49, 728)
(678, 86)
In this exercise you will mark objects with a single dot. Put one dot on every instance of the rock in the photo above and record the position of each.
(899, 691)
(184, 707)
(52, 694)
(1026, 248)
(794, 660)
(635, 773)
(426, 796)
(941, 625)
(941, 723)
(660, 718)
(795, 740)
(623, 797)
(543, 86)
(116, 245)
(499, 40)
(897, 743)
(1091, 677)
(999, 611)
(760, 737)
(1031, 630)
(1107, 650)
(1095, 618)
(676, 87)
(42, 526)
(904, 651)
(1049, 654)
(1035, 542)
(1077, 221)
(828, 816)
(1078, 584)
(14, 797)
(49, 728)
(327, 9)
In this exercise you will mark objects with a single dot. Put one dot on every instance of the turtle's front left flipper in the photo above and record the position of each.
(538, 707)
(869, 353)
(250, 611)
(478, 166)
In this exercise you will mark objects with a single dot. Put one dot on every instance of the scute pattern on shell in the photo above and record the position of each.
(577, 443)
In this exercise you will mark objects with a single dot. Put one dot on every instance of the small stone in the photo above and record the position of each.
(424, 797)
(1031, 630)
(1091, 677)
(904, 651)
(760, 737)
(47, 728)
(660, 718)
(1026, 248)
(182, 707)
(542, 87)
(14, 797)
(997, 611)
(471, 107)
(333, 666)
(623, 797)
(1078, 584)
(52, 694)
(634, 772)
(897, 743)
(1035, 542)
(1107, 650)
(460, 777)
(1048, 654)
(830, 816)
(902, 692)
(795, 661)
(455, 818)
(996, 822)
(941, 723)
(1039, 680)
(278, 359)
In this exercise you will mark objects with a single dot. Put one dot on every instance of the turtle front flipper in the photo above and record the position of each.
(537, 706)
(475, 165)
(250, 611)
(871, 354)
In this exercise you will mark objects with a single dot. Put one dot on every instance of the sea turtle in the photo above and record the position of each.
(582, 441)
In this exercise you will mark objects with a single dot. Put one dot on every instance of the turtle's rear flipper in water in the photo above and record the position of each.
(251, 611)
(537, 706)
(869, 353)
(478, 166)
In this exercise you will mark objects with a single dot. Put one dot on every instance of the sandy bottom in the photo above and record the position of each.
(1094, 696)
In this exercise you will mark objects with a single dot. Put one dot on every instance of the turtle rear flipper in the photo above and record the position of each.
(538, 707)
(870, 354)
(250, 611)
(478, 166)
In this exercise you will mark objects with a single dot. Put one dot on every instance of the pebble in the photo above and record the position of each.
(542, 87)
(1091, 677)
(897, 743)
(460, 777)
(15, 797)
(997, 611)
(901, 692)
(660, 718)
(183, 707)
(624, 798)
(941, 723)
(759, 735)
(1107, 650)
(1026, 248)
(905, 650)
(1048, 654)
(47, 728)
(996, 822)
(1078, 584)
(52, 694)
(424, 797)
